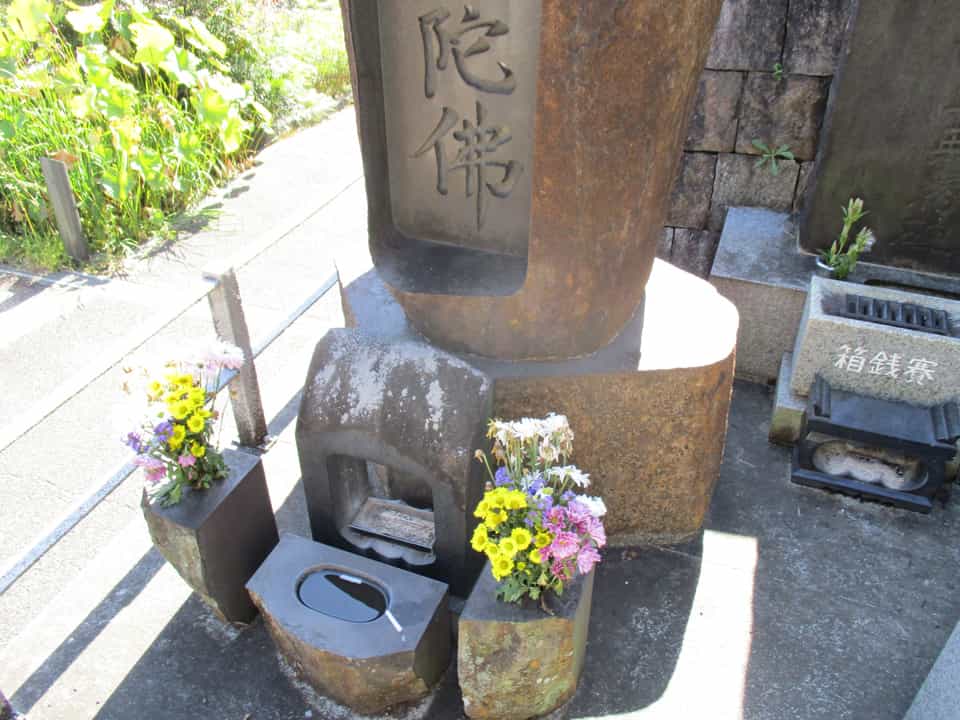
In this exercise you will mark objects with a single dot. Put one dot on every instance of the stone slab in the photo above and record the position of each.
(758, 268)
(369, 666)
(881, 361)
(690, 199)
(693, 250)
(815, 34)
(516, 662)
(665, 246)
(893, 137)
(789, 408)
(749, 35)
(939, 696)
(713, 124)
(740, 182)
(649, 409)
(786, 111)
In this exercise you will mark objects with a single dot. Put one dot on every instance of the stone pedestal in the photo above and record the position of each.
(368, 666)
(217, 538)
(516, 662)
(649, 410)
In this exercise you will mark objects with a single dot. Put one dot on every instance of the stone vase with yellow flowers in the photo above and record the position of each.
(523, 632)
(208, 511)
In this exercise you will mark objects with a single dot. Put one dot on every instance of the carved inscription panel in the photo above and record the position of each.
(459, 84)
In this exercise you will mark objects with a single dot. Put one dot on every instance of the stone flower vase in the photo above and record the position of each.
(517, 661)
(217, 538)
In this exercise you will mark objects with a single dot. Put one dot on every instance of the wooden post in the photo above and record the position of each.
(65, 208)
(230, 324)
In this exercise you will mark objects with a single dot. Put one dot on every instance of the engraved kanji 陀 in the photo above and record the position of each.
(453, 39)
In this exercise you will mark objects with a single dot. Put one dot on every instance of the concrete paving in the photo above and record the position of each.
(793, 604)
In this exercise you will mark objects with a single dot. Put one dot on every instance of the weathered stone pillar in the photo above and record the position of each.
(519, 159)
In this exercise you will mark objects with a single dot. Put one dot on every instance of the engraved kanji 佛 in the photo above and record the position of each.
(478, 144)
(454, 40)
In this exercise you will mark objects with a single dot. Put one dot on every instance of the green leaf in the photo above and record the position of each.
(29, 18)
(90, 18)
(212, 107)
(204, 39)
(762, 146)
(232, 132)
(182, 65)
(7, 130)
(152, 40)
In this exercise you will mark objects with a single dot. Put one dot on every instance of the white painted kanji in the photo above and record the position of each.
(851, 359)
(919, 370)
(887, 365)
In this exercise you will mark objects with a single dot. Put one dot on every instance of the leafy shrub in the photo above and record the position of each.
(141, 107)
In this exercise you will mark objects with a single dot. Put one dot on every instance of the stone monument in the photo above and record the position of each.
(893, 137)
(518, 158)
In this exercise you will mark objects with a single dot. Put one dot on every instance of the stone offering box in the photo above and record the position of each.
(217, 538)
(365, 633)
(875, 352)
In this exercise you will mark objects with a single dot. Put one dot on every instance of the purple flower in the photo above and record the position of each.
(501, 477)
(587, 558)
(568, 496)
(536, 485)
(134, 442)
(163, 431)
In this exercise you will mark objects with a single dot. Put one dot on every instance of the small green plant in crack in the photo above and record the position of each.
(771, 154)
(778, 72)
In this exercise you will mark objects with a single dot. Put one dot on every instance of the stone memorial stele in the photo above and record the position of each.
(518, 160)
(892, 135)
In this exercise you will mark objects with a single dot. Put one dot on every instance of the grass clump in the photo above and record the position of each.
(149, 105)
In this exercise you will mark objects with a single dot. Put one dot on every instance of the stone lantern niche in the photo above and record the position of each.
(518, 158)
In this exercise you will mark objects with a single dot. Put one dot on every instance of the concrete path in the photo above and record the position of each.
(66, 339)
(794, 604)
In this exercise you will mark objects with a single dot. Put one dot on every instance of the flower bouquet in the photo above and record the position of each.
(535, 529)
(174, 441)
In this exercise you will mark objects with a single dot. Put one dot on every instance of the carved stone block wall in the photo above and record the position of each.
(767, 79)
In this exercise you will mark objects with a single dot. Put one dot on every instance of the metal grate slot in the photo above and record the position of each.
(889, 312)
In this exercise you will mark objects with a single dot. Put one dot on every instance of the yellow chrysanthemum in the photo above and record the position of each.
(479, 540)
(154, 390)
(543, 539)
(494, 519)
(197, 396)
(180, 409)
(177, 437)
(535, 556)
(195, 423)
(502, 566)
(508, 547)
(198, 450)
(516, 501)
(522, 538)
(491, 550)
(521, 565)
(483, 507)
